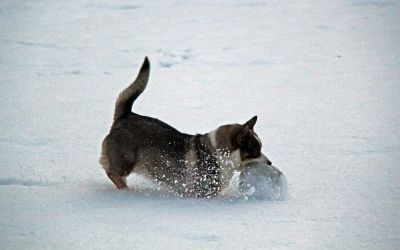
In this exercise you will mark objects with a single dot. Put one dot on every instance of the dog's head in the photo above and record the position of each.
(239, 142)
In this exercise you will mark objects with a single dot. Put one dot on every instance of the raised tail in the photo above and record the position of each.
(125, 100)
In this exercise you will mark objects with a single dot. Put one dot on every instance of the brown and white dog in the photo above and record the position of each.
(190, 165)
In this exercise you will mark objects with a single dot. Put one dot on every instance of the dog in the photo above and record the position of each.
(198, 165)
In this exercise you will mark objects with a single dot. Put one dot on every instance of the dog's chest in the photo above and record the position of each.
(203, 173)
(228, 163)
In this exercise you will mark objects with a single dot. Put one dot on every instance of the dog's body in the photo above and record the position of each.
(190, 165)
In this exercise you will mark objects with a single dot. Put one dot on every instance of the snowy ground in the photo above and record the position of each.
(322, 76)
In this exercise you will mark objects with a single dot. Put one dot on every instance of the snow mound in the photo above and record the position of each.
(260, 181)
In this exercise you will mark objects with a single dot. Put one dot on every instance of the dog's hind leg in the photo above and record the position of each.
(119, 181)
(116, 162)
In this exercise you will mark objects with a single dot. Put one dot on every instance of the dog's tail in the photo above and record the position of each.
(125, 100)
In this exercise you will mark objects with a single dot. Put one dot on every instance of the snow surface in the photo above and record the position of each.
(322, 76)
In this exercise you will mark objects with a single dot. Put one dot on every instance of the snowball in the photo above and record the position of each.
(262, 182)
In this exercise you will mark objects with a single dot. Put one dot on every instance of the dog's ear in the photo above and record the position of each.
(240, 137)
(250, 123)
(243, 132)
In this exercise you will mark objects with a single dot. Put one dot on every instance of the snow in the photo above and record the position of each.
(322, 76)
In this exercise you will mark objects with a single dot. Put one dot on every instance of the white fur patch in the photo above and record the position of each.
(213, 138)
(191, 160)
(235, 158)
(228, 164)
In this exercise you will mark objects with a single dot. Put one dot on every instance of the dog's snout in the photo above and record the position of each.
(266, 160)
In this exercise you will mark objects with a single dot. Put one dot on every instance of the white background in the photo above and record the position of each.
(322, 76)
